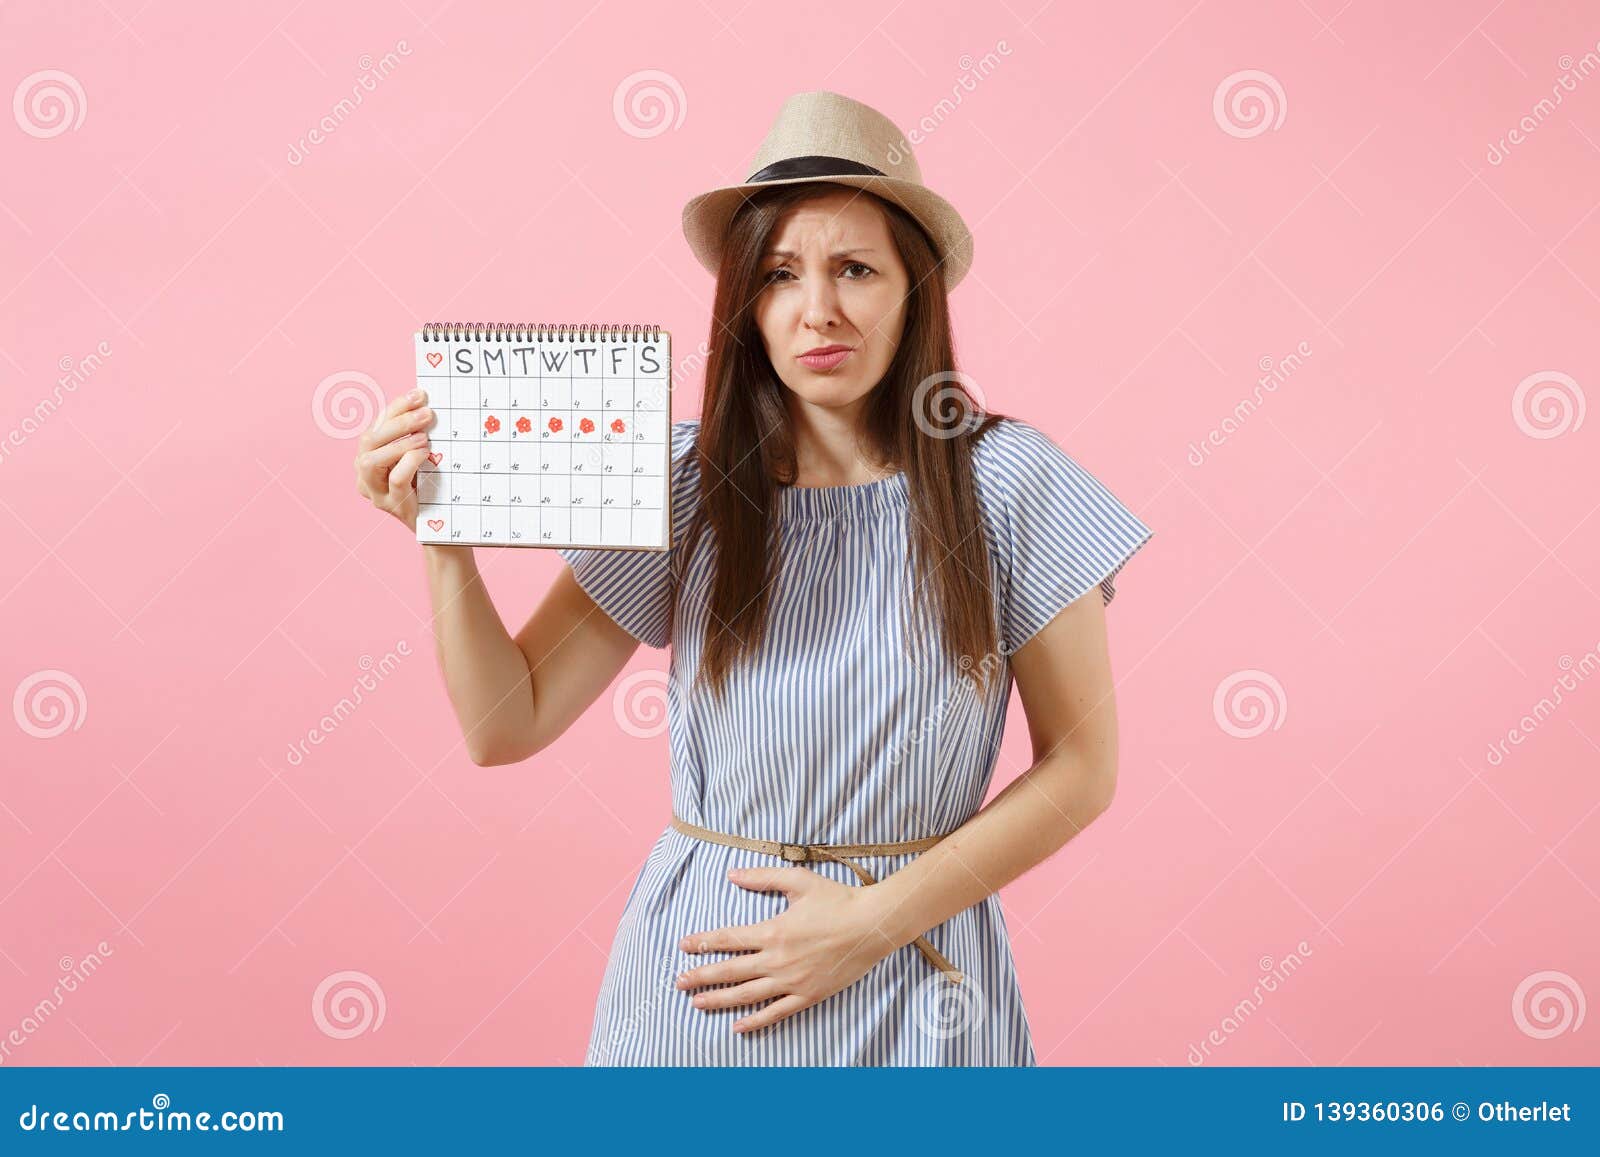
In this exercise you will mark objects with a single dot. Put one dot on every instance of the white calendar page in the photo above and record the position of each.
(545, 437)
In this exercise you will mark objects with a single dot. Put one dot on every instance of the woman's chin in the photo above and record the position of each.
(828, 390)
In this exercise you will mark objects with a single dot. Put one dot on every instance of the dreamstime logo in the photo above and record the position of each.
(47, 104)
(627, 1026)
(1547, 404)
(48, 703)
(693, 362)
(1548, 1004)
(930, 721)
(1546, 706)
(1544, 108)
(943, 411)
(72, 974)
(155, 1119)
(1274, 374)
(348, 1004)
(652, 394)
(74, 372)
(1273, 975)
(648, 103)
(972, 71)
(1248, 103)
(372, 72)
(1248, 703)
(373, 672)
(945, 1009)
(588, 457)
(640, 704)
(346, 403)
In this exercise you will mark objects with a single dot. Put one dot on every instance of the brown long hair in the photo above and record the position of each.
(745, 448)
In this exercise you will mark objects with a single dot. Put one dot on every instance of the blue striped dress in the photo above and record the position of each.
(848, 728)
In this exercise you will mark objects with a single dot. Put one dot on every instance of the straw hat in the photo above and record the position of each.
(822, 136)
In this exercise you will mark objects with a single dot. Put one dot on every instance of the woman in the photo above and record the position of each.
(857, 574)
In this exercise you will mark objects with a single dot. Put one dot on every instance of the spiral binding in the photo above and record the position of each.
(539, 331)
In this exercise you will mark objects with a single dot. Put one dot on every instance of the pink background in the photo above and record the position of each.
(1390, 538)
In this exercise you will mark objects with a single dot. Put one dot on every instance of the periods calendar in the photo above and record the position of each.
(546, 435)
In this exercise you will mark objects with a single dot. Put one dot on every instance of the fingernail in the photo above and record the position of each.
(415, 395)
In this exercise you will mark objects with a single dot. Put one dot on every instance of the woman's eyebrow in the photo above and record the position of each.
(835, 253)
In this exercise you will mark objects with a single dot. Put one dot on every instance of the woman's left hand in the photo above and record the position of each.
(828, 937)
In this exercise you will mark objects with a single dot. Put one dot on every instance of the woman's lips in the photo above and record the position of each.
(824, 361)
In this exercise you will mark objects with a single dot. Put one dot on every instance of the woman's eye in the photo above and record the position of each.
(859, 265)
(773, 276)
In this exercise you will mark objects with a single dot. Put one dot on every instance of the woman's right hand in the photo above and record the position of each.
(389, 455)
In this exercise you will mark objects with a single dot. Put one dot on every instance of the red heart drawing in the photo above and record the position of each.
(435, 524)
(435, 358)
(435, 457)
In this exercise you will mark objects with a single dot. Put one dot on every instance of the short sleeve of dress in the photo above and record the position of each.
(635, 587)
(1059, 531)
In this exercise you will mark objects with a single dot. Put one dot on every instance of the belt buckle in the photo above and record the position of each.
(794, 853)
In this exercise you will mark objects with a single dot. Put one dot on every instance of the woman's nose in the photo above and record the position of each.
(822, 303)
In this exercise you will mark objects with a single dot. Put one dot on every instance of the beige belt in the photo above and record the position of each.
(801, 853)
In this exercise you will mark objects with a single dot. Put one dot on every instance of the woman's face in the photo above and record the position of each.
(832, 280)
